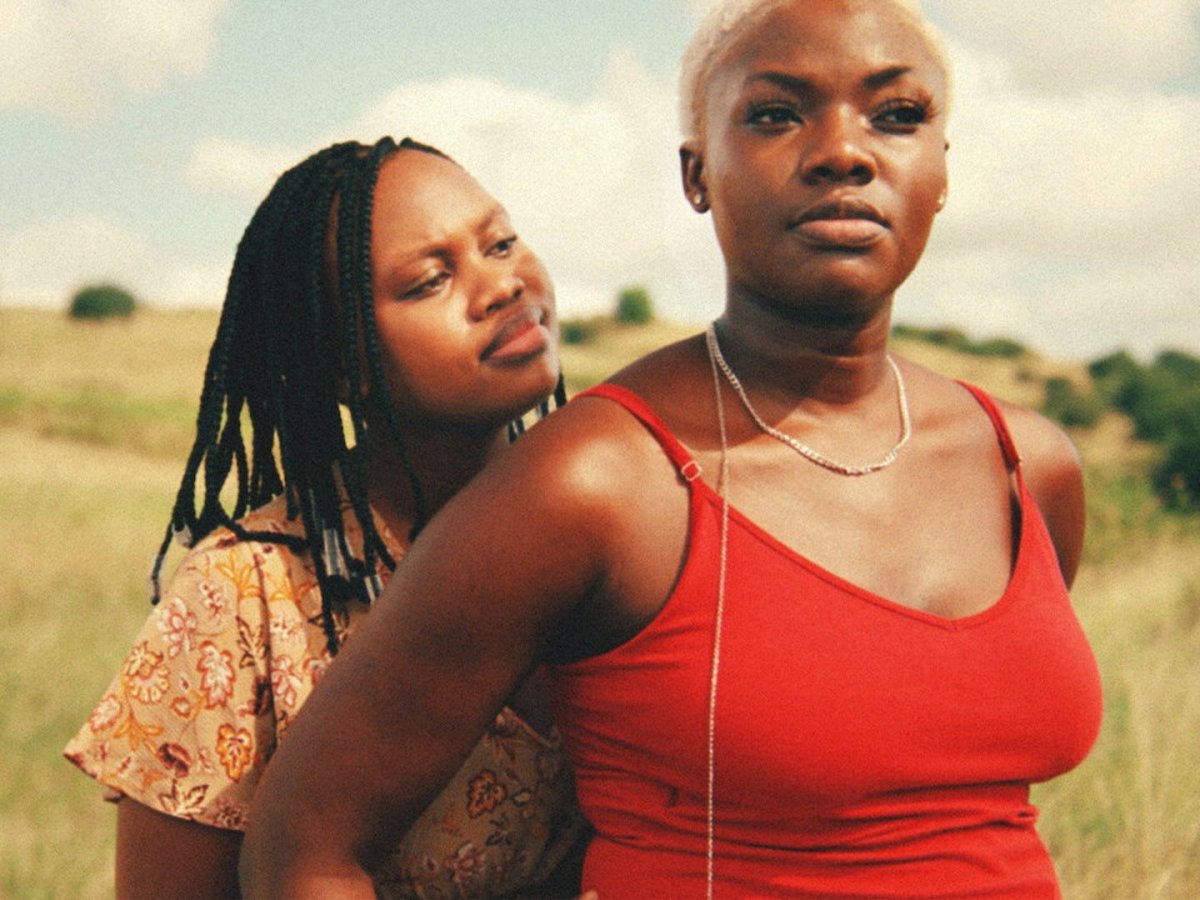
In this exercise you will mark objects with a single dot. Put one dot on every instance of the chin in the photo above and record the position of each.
(540, 389)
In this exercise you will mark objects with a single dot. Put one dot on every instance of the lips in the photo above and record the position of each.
(522, 334)
(846, 222)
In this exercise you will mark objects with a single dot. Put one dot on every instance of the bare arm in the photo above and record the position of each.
(1055, 477)
(162, 856)
(496, 576)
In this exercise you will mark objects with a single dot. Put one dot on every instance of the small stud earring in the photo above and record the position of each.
(941, 202)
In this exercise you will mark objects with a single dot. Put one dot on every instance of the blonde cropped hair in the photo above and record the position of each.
(728, 20)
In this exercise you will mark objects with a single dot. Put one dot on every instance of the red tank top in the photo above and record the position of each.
(862, 748)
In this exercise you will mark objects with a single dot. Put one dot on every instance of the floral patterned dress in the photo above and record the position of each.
(219, 671)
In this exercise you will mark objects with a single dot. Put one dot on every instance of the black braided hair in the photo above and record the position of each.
(278, 358)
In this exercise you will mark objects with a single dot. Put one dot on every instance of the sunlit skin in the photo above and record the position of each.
(823, 159)
(830, 105)
(465, 310)
(467, 327)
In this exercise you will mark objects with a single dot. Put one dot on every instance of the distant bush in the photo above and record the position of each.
(634, 306)
(1004, 348)
(1116, 376)
(939, 337)
(1070, 407)
(954, 339)
(101, 301)
(577, 331)
(1177, 472)
(1182, 366)
(1163, 400)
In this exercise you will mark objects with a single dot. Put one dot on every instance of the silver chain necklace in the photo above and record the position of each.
(714, 673)
(714, 349)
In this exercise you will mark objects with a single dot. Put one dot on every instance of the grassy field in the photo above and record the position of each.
(95, 420)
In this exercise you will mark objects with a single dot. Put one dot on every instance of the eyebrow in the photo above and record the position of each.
(884, 77)
(436, 246)
(798, 84)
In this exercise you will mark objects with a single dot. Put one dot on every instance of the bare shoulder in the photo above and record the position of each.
(586, 479)
(1050, 463)
(1053, 472)
(591, 454)
(594, 446)
(1048, 455)
(570, 532)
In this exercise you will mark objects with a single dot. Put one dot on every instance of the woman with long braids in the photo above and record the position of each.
(383, 332)
(806, 602)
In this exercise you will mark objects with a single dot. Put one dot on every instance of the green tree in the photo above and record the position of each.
(1163, 400)
(1176, 474)
(1068, 406)
(101, 301)
(634, 306)
(577, 331)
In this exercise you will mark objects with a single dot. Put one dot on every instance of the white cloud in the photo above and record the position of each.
(44, 264)
(1073, 45)
(1064, 308)
(1071, 217)
(75, 58)
(1101, 173)
(592, 186)
(1070, 224)
(237, 168)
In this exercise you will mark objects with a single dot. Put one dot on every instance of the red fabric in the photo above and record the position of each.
(863, 749)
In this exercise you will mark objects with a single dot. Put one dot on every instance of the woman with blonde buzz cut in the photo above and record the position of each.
(803, 603)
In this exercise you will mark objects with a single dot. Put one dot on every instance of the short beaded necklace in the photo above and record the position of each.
(714, 350)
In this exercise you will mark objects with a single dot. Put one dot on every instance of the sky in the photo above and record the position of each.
(138, 136)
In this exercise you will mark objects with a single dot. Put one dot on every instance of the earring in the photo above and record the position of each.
(941, 201)
(699, 202)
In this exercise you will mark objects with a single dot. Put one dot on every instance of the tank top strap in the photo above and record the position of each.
(1012, 458)
(688, 468)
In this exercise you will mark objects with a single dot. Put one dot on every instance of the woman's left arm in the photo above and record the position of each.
(1054, 474)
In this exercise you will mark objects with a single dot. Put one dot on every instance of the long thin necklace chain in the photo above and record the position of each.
(714, 349)
(718, 630)
(717, 362)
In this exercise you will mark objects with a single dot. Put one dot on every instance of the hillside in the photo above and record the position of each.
(79, 379)
(95, 420)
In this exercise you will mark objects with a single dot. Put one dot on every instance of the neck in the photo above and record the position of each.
(834, 360)
(444, 459)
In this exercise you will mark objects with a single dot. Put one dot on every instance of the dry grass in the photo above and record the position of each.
(77, 524)
(153, 355)
(1126, 823)
(92, 418)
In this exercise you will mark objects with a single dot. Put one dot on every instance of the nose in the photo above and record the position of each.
(837, 152)
(496, 292)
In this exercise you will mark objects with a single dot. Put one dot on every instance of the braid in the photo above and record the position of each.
(355, 221)
(291, 323)
(273, 359)
(358, 271)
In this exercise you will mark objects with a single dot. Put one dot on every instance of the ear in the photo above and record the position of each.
(691, 168)
(941, 204)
